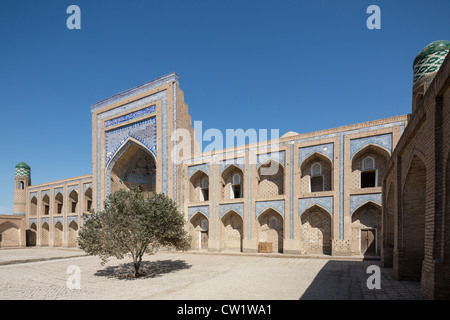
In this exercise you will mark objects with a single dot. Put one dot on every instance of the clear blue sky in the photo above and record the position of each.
(290, 65)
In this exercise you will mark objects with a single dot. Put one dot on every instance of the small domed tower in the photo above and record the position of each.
(425, 67)
(22, 182)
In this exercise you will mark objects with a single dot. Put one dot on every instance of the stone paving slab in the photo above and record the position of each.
(200, 276)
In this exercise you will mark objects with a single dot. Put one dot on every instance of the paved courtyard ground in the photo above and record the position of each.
(193, 276)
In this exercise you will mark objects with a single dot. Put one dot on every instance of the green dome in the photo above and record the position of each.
(23, 165)
(22, 169)
(433, 47)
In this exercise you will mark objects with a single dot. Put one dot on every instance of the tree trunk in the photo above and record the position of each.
(137, 265)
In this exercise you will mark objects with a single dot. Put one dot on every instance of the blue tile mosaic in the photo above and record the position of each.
(324, 202)
(45, 193)
(358, 200)
(384, 140)
(72, 218)
(31, 221)
(279, 156)
(58, 219)
(129, 107)
(277, 205)
(86, 186)
(72, 188)
(58, 190)
(131, 116)
(238, 162)
(202, 167)
(236, 207)
(193, 210)
(325, 149)
(143, 131)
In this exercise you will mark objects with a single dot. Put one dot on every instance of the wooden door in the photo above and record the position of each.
(368, 242)
(204, 239)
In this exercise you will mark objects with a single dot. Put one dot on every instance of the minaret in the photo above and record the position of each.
(22, 182)
(425, 67)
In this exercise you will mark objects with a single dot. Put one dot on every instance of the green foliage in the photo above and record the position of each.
(132, 225)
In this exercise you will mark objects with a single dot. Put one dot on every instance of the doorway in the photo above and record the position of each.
(368, 243)
(203, 239)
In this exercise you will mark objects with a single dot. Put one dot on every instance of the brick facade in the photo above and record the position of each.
(416, 193)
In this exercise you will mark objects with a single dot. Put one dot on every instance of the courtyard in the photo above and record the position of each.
(44, 273)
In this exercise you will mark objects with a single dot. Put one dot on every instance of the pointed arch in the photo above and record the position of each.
(58, 234)
(231, 188)
(366, 229)
(413, 218)
(232, 231)
(88, 199)
(319, 182)
(73, 200)
(72, 234)
(270, 175)
(363, 178)
(199, 187)
(372, 146)
(45, 234)
(31, 235)
(123, 147)
(45, 205)
(372, 202)
(132, 166)
(319, 207)
(271, 229)
(33, 206)
(59, 203)
(10, 234)
(198, 229)
(316, 231)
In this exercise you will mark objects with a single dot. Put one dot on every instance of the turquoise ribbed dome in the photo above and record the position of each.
(22, 169)
(433, 47)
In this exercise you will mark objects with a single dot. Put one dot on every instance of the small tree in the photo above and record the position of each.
(132, 225)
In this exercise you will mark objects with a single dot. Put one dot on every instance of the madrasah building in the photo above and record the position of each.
(312, 193)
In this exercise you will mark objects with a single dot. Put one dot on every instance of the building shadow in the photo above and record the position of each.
(348, 280)
(148, 269)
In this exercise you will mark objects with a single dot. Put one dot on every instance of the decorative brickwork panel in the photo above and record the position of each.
(272, 184)
(316, 231)
(232, 231)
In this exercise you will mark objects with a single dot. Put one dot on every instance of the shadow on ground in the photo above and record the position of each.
(347, 280)
(149, 269)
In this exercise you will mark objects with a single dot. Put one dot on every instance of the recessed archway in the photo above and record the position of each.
(270, 229)
(316, 230)
(199, 231)
(31, 235)
(58, 234)
(134, 168)
(232, 183)
(316, 174)
(366, 230)
(368, 165)
(270, 179)
(10, 235)
(413, 220)
(72, 235)
(45, 234)
(232, 232)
